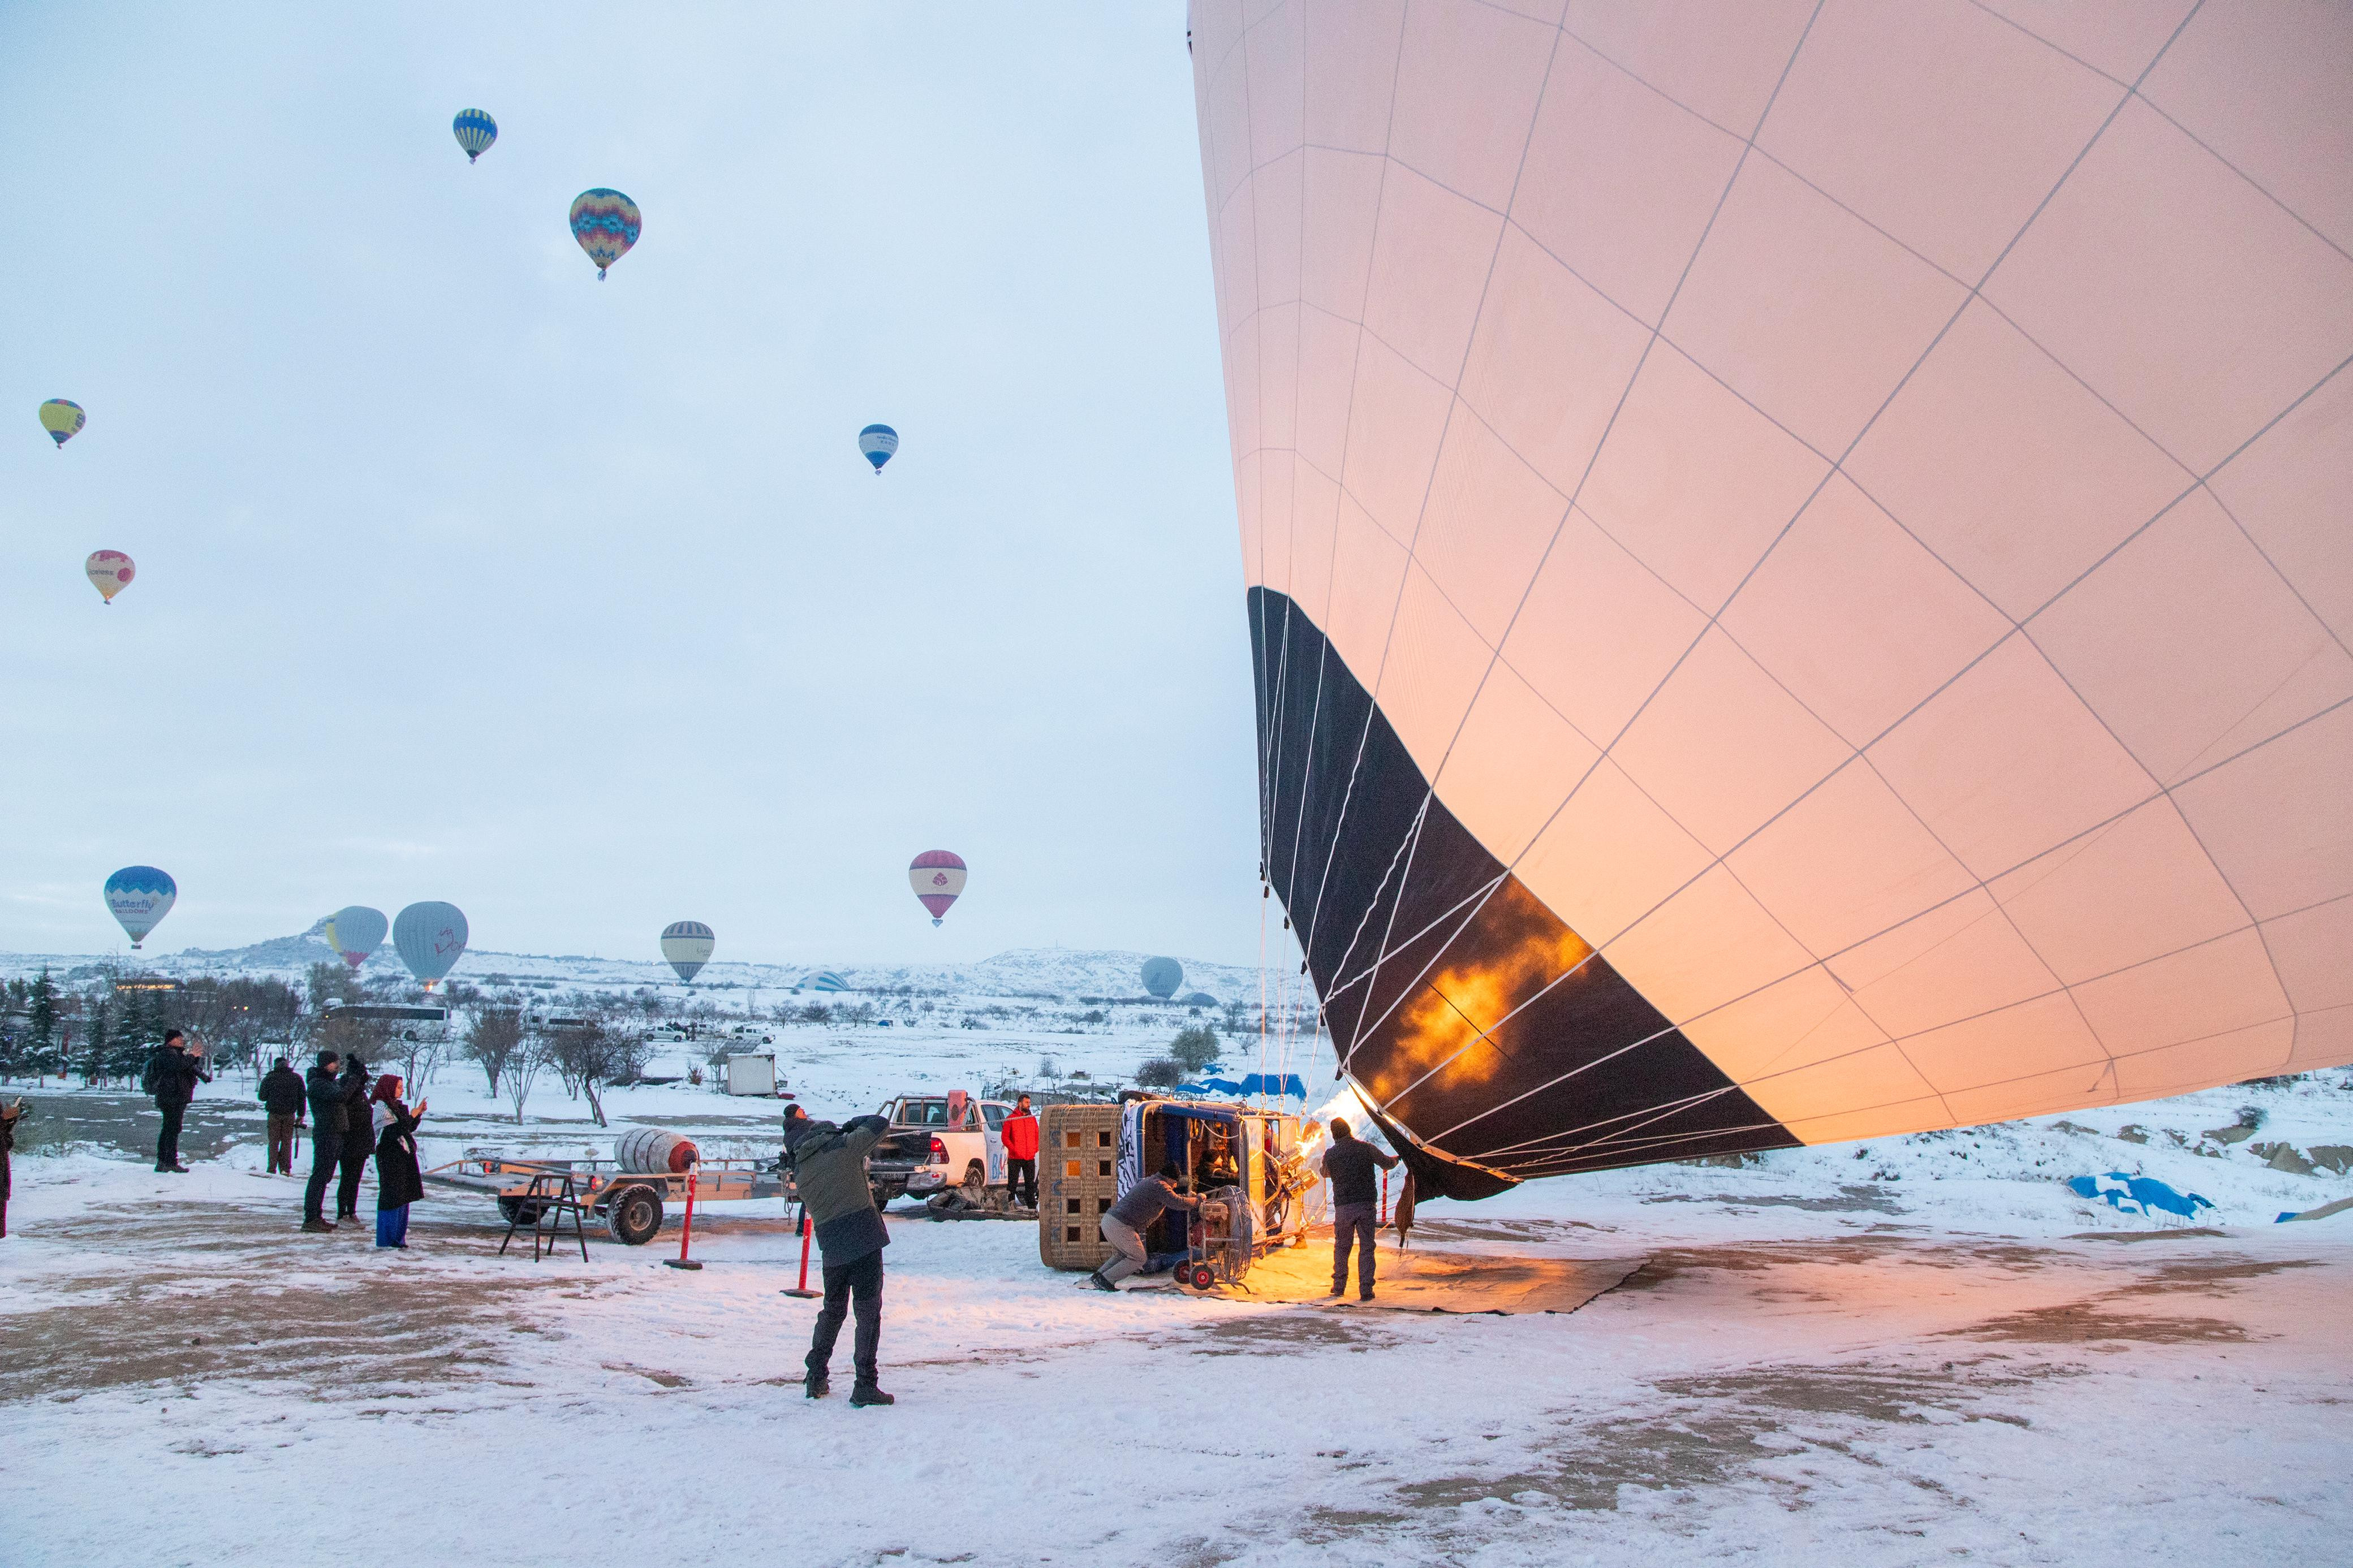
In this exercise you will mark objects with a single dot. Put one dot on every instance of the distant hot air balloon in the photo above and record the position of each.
(63, 420)
(475, 131)
(605, 223)
(877, 442)
(355, 932)
(937, 877)
(1162, 977)
(109, 572)
(140, 897)
(429, 938)
(686, 944)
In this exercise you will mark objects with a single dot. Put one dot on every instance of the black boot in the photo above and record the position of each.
(817, 1386)
(869, 1393)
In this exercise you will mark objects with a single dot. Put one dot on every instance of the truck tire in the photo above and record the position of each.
(634, 1214)
(975, 1186)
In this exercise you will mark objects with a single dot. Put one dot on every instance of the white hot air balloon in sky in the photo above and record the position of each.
(355, 932)
(687, 946)
(430, 938)
(1817, 644)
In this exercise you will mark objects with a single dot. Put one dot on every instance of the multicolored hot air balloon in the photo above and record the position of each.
(1819, 646)
(937, 877)
(475, 131)
(62, 419)
(607, 223)
(429, 938)
(109, 572)
(355, 932)
(139, 897)
(686, 944)
(1162, 977)
(879, 442)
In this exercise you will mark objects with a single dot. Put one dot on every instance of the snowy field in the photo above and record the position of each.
(1920, 1349)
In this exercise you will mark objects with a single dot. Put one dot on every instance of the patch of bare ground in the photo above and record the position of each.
(1709, 1431)
(263, 1302)
(2087, 1323)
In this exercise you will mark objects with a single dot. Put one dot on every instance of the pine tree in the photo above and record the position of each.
(42, 1011)
(95, 1035)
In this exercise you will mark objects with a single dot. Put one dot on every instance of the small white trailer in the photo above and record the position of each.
(753, 1073)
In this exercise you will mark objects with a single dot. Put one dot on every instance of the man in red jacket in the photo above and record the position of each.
(1020, 1135)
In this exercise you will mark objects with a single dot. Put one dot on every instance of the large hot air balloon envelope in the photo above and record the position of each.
(937, 877)
(355, 932)
(63, 420)
(475, 130)
(1772, 649)
(607, 223)
(686, 945)
(109, 572)
(139, 897)
(879, 442)
(1162, 977)
(429, 938)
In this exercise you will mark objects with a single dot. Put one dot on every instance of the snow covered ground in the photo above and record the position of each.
(1918, 1350)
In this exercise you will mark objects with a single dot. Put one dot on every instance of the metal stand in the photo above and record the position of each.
(549, 1196)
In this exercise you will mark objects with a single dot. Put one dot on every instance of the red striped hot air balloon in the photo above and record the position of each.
(937, 877)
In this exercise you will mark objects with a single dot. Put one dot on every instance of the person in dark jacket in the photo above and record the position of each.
(359, 1136)
(1125, 1224)
(281, 1094)
(398, 1181)
(8, 1117)
(325, 1092)
(829, 1165)
(1350, 1162)
(173, 1074)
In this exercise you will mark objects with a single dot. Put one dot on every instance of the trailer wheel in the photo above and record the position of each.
(634, 1216)
(515, 1211)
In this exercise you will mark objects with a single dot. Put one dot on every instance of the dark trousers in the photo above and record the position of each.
(845, 1283)
(282, 1143)
(167, 1141)
(357, 1147)
(326, 1146)
(1353, 1223)
(1021, 1181)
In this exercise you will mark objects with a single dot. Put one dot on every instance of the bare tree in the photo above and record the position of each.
(493, 1040)
(594, 1054)
(522, 1064)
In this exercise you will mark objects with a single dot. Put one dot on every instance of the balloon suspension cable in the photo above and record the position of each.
(1261, 992)
(601, 275)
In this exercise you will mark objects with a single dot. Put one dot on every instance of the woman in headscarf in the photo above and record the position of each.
(398, 1182)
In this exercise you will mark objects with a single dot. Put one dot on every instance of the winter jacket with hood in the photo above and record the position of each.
(326, 1095)
(177, 1075)
(281, 1091)
(829, 1173)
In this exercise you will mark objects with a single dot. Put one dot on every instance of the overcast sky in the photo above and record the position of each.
(463, 575)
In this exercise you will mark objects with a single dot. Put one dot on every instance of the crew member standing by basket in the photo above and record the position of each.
(829, 1165)
(1020, 1135)
(1350, 1162)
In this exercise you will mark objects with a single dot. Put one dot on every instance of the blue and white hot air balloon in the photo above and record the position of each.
(475, 130)
(688, 945)
(877, 442)
(429, 938)
(140, 897)
(354, 932)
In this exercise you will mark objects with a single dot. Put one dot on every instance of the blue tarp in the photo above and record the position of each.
(2137, 1194)
(1287, 1085)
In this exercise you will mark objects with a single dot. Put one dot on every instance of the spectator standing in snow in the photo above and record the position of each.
(173, 1074)
(1123, 1227)
(325, 1092)
(1350, 1162)
(8, 1117)
(829, 1172)
(359, 1136)
(1020, 1135)
(281, 1094)
(398, 1181)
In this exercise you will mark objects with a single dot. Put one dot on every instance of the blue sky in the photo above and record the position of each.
(464, 576)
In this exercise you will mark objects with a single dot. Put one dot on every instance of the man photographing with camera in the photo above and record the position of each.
(172, 1073)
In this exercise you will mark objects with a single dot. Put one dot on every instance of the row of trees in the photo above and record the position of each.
(589, 1052)
(102, 1031)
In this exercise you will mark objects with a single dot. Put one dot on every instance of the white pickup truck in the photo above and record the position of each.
(939, 1145)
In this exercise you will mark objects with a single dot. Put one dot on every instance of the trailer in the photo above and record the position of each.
(633, 1204)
